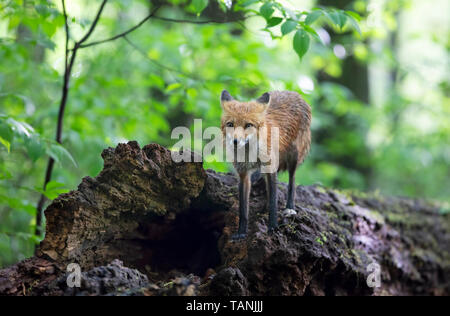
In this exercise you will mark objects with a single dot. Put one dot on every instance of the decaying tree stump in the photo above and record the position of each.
(170, 224)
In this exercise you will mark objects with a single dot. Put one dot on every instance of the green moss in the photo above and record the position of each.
(347, 194)
(320, 189)
(359, 256)
(319, 241)
(395, 218)
(331, 216)
(379, 218)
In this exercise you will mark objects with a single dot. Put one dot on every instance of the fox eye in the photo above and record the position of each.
(248, 125)
(230, 124)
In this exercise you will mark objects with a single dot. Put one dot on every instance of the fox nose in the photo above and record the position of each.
(235, 141)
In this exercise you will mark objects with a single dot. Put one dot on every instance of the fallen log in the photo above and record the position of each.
(170, 224)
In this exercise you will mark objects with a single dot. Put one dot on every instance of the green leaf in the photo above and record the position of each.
(14, 21)
(173, 86)
(337, 18)
(267, 10)
(354, 22)
(312, 32)
(35, 147)
(342, 19)
(5, 143)
(49, 29)
(354, 15)
(6, 131)
(313, 16)
(52, 185)
(53, 189)
(59, 153)
(27, 236)
(42, 10)
(274, 21)
(301, 42)
(5, 174)
(18, 204)
(249, 2)
(157, 81)
(21, 128)
(199, 5)
(288, 26)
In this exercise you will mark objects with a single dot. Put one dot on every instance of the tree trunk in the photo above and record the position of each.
(354, 77)
(171, 223)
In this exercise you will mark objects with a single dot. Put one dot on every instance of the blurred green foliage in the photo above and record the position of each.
(378, 88)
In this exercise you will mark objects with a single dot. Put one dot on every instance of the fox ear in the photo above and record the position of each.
(264, 99)
(225, 96)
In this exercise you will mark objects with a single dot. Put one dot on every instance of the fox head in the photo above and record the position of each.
(242, 120)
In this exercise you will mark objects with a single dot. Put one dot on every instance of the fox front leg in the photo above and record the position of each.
(271, 181)
(244, 195)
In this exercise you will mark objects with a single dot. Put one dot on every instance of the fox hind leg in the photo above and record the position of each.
(291, 189)
(290, 205)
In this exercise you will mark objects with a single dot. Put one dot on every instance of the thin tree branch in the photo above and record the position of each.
(62, 106)
(123, 34)
(66, 27)
(93, 25)
(162, 18)
(152, 15)
(162, 66)
(139, 50)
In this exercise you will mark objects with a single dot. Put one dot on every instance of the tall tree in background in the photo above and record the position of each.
(347, 129)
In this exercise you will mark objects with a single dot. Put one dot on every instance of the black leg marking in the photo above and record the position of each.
(244, 194)
(291, 190)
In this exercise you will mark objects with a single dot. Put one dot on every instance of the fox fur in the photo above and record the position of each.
(241, 122)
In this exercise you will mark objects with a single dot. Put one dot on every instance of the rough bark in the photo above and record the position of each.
(170, 224)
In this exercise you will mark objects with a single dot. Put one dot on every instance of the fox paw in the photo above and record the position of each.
(288, 212)
(238, 237)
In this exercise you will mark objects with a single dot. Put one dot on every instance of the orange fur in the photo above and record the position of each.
(286, 110)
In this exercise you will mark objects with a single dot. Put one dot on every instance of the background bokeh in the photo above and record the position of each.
(380, 99)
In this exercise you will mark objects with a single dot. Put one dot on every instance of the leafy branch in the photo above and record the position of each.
(123, 34)
(301, 22)
(17, 133)
(166, 19)
(68, 66)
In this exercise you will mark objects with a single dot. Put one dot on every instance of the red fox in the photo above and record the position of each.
(242, 121)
